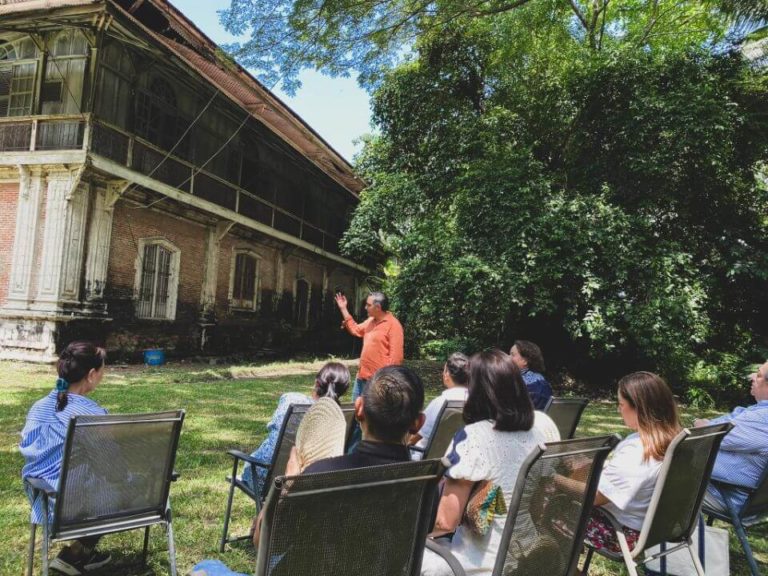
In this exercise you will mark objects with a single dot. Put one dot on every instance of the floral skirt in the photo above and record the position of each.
(601, 535)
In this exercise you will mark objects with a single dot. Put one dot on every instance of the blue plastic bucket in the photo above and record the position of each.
(154, 357)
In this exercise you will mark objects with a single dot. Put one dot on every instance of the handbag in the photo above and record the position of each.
(716, 560)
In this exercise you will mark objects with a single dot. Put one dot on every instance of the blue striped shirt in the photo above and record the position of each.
(42, 441)
(743, 454)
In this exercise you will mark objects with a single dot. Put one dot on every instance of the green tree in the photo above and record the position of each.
(603, 202)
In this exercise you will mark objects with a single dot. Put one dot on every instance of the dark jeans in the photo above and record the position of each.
(356, 434)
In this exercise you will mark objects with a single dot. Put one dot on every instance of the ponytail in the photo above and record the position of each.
(332, 381)
(331, 393)
(75, 362)
(62, 387)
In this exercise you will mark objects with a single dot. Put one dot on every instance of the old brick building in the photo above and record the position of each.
(154, 194)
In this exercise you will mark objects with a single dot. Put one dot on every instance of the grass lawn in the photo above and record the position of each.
(222, 412)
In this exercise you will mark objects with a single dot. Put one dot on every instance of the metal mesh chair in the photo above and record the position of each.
(286, 440)
(566, 413)
(449, 420)
(674, 510)
(546, 520)
(754, 511)
(115, 476)
(349, 416)
(370, 521)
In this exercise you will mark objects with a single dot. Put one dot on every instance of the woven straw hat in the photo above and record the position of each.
(321, 434)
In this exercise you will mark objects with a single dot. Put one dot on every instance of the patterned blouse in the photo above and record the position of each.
(42, 442)
(265, 452)
(538, 388)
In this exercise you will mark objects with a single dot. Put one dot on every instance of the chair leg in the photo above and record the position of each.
(31, 559)
(228, 511)
(625, 551)
(696, 561)
(146, 546)
(742, 535)
(171, 544)
(44, 552)
(587, 561)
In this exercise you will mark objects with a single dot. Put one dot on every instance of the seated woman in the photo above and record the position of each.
(485, 457)
(331, 381)
(629, 476)
(455, 379)
(528, 358)
(80, 369)
(321, 435)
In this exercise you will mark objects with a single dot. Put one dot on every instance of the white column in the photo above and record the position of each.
(27, 217)
(63, 240)
(99, 239)
(211, 265)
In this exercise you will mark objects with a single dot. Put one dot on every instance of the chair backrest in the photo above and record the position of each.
(546, 520)
(449, 421)
(371, 521)
(673, 513)
(114, 467)
(348, 408)
(285, 441)
(757, 503)
(566, 413)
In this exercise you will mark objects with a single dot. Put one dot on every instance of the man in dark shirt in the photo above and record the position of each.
(389, 411)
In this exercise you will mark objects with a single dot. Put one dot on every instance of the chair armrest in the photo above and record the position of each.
(446, 555)
(40, 485)
(238, 455)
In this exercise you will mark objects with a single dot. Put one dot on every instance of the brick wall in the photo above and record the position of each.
(128, 333)
(234, 331)
(9, 193)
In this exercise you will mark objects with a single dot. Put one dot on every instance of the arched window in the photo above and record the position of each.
(18, 69)
(62, 90)
(157, 117)
(157, 279)
(116, 74)
(244, 280)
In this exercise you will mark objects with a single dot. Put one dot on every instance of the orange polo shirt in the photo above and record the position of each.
(382, 343)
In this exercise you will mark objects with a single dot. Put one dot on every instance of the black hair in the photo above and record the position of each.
(75, 362)
(381, 299)
(532, 354)
(497, 392)
(458, 367)
(332, 380)
(392, 401)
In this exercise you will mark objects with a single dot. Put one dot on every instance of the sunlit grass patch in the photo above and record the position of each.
(222, 412)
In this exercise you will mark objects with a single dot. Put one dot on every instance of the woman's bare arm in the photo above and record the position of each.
(452, 504)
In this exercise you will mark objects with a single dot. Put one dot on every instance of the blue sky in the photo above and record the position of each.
(336, 108)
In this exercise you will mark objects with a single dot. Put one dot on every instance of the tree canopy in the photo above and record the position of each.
(582, 174)
(367, 37)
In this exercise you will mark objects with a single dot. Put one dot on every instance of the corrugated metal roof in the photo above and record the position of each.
(231, 79)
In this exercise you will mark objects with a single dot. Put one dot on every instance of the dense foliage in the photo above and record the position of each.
(582, 174)
(603, 203)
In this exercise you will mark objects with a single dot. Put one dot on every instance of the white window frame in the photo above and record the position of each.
(173, 281)
(238, 305)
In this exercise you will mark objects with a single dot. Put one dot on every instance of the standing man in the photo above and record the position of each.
(382, 336)
(743, 453)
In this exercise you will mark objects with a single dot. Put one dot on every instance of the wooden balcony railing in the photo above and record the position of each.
(30, 133)
(81, 132)
(136, 153)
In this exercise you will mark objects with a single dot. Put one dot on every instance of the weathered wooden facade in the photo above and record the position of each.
(154, 194)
